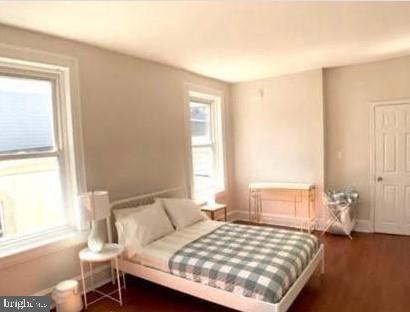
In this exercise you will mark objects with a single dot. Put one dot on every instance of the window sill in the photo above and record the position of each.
(29, 249)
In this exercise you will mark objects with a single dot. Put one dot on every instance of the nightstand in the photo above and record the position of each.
(212, 208)
(112, 253)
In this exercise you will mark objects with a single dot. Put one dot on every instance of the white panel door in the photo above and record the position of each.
(392, 169)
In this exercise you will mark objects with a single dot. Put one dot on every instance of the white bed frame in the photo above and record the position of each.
(208, 293)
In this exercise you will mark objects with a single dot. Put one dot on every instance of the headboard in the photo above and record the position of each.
(140, 200)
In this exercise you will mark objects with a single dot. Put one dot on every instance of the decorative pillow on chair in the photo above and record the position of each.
(182, 212)
(140, 228)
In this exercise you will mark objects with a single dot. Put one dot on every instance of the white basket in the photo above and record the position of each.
(67, 297)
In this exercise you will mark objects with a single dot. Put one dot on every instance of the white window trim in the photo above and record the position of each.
(195, 91)
(1, 216)
(65, 70)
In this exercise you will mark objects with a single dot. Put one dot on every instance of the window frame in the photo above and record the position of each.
(217, 142)
(1, 217)
(62, 71)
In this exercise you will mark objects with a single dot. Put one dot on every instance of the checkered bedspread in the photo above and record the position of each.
(253, 261)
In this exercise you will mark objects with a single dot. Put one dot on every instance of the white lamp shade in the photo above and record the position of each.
(96, 205)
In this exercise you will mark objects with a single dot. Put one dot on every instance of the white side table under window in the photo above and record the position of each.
(112, 253)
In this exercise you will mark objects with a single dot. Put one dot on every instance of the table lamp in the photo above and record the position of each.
(97, 207)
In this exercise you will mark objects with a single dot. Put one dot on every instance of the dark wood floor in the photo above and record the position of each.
(369, 273)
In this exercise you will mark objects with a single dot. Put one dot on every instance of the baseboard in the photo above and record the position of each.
(237, 215)
(102, 276)
(364, 226)
(288, 221)
(232, 215)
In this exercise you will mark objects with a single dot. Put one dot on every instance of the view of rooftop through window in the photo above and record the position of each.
(30, 188)
(200, 123)
(26, 114)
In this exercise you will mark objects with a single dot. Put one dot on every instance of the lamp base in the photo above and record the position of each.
(95, 242)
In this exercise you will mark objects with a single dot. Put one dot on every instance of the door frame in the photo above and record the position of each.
(372, 141)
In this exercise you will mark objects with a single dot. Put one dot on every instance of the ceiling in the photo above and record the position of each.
(227, 40)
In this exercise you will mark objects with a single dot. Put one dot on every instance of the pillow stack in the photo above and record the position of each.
(139, 226)
(182, 212)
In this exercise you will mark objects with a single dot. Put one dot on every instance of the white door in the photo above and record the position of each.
(392, 169)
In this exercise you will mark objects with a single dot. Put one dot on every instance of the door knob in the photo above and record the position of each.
(379, 179)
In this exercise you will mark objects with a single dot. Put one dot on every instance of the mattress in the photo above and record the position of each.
(252, 261)
(157, 254)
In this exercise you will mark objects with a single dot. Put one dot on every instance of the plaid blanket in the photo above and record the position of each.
(253, 261)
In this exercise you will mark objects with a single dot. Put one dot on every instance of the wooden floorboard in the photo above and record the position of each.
(369, 273)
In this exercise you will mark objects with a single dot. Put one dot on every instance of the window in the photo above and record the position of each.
(207, 147)
(38, 180)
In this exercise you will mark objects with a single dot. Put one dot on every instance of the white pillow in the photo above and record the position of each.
(182, 212)
(140, 228)
(123, 212)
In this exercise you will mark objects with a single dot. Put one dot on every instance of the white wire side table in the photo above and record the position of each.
(112, 253)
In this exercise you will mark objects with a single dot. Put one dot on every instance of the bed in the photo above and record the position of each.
(185, 260)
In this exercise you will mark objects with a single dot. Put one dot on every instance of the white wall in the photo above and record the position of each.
(278, 137)
(133, 126)
(348, 92)
(281, 136)
(134, 137)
